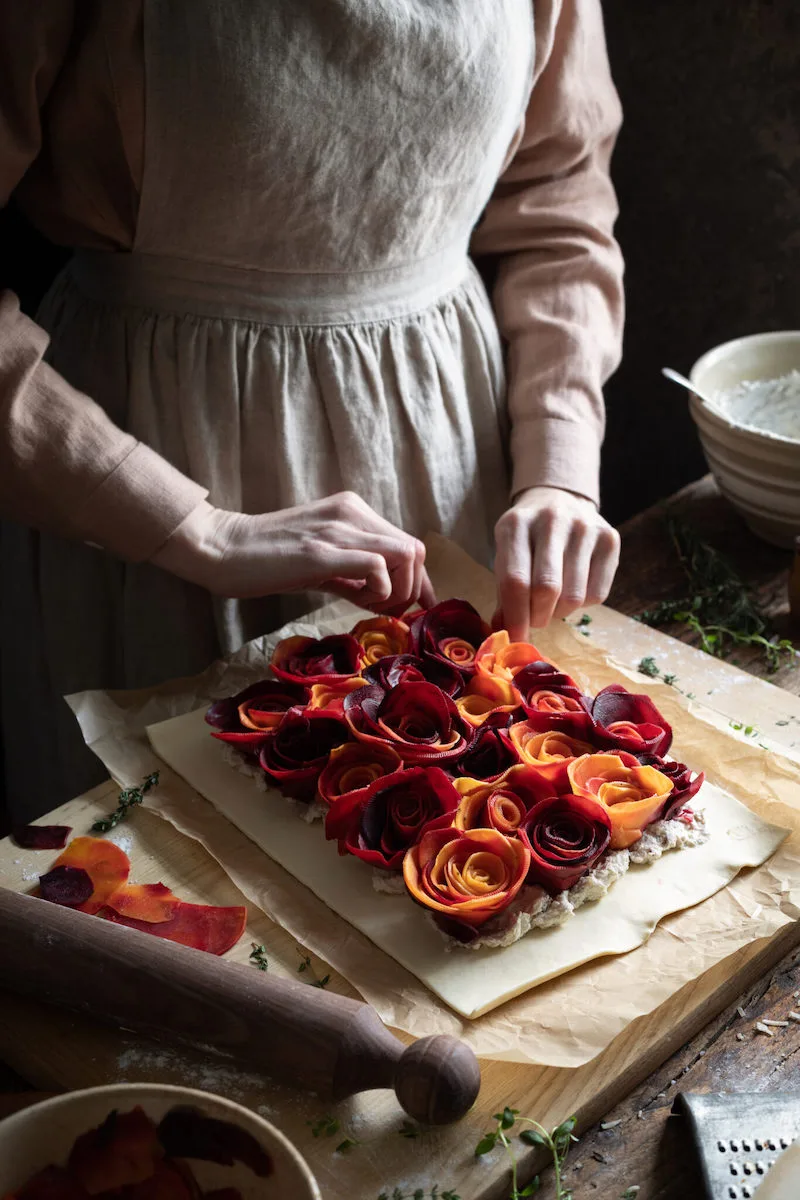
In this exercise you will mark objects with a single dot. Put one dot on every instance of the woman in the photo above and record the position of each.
(271, 366)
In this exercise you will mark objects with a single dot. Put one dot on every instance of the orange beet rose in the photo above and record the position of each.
(501, 658)
(550, 752)
(502, 804)
(354, 766)
(487, 694)
(633, 795)
(379, 637)
(465, 878)
(330, 696)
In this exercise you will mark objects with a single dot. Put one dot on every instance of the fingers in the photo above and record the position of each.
(578, 556)
(513, 571)
(605, 561)
(550, 537)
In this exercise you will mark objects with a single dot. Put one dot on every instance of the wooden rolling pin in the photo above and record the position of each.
(297, 1034)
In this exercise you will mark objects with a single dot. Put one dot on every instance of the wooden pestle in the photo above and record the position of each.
(297, 1034)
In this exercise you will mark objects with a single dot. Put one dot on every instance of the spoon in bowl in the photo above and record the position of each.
(676, 377)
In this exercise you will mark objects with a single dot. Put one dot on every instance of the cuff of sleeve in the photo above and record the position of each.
(556, 452)
(138, 506)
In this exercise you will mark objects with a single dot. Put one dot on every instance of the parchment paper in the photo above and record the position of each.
(569, 1020)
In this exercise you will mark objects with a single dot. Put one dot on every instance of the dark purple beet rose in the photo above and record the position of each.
(624, 721)
(566, 836)
(450, 632)
(317, 660)
(295, 754)
(683, 786)
(380, 822)
(491, 753)
(415, 719)
(247, 718)
(406, 668)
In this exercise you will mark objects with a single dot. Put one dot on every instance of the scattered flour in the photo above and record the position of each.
(218, 1077)
(770, 406)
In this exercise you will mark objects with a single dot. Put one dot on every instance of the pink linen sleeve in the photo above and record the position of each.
(64, 466)
(558, 292)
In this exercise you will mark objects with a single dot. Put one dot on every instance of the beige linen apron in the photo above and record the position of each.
(298, 316)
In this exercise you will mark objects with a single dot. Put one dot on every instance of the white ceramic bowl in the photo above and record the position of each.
(759, 474)
(43, 1134)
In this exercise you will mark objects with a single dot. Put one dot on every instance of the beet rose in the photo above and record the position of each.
(502, 804)
(490, 754)
(296, 753)
(565, 835)
(416, 719)
(501, 658)
(354, 766)
(553, 701)
(247, 718)
(316, 660)
(330, 696)
(683, 786)
(380, 637)
(450, 632)
(379, 823)
(633, 795)
(485, 696)
(387, 672)
(624, 721)
(549, 753)
(465, 878)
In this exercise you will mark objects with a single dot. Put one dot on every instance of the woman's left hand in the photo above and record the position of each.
(555, 553)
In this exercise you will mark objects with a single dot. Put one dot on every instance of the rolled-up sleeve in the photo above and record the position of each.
(64, 466)
(558, 289)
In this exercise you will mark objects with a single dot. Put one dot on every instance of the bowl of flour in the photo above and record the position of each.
(749, 428)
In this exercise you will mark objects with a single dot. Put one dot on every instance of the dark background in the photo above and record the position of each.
(708, 175)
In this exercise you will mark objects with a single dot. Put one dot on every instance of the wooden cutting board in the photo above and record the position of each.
(55, 1050)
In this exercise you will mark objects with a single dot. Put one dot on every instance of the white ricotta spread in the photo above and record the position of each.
(234, 758)
(769, 406)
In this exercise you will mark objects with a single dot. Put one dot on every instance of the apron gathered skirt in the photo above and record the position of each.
(298, 316)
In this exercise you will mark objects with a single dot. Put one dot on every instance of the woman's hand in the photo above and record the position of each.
(555, 553)
(337, 545)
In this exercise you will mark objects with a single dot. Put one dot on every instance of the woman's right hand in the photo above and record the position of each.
(338, 544)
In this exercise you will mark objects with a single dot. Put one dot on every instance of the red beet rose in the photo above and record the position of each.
(490, 754)
(553, 701)
(316, 660)
(416, 719)
(407, 668)
(683, 786)
(354, 766)
(450, 632)
(566, 836)
(296, 753)
(624, 721)
(379, 823)
(247, 718)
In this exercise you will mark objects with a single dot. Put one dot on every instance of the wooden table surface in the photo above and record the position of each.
(643, 1146)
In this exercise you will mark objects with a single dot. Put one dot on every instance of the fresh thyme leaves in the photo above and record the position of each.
(585, 619)
(719, 609)
(326, 1126)
(647, 666)
(630, 1193)
(305, 965)
(346, 1145)
(669, 679)
(420, 1194)
(558, 1142)
(747, 730)
(127, 799)
(258, 956)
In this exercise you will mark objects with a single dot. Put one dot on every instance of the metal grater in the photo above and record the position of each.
(738, 1137)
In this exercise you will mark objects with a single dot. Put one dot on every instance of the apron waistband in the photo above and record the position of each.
(189, 287)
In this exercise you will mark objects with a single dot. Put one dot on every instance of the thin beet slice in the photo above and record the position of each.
(42, 837)
(106, 865)
(53, 1183)
(68, 886)
(151, 902)
(123, 1150)
(187, 1133)
(202, 926)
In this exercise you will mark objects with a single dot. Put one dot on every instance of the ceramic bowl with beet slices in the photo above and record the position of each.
(147, 1142)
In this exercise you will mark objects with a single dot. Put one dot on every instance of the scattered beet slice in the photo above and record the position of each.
(122, 1151)
(187, 1133)
(202, 926)
(106, 865)
(42, 837)
(53, 1183)
(68, 886)
(151, 902)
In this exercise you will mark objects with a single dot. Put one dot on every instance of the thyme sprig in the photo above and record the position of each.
(420, 1194)
(127, 799)
(258, 956)
(718, 608)
(305, 965)
(558, 1142)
